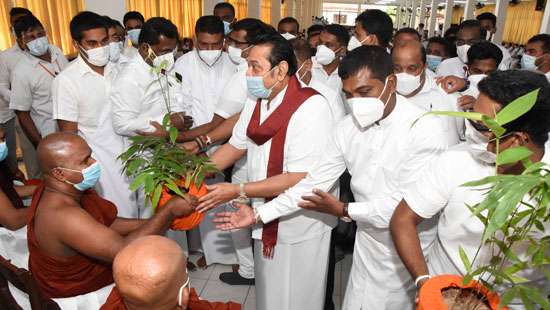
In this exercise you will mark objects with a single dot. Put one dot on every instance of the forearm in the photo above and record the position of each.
(200, 130)
(226, 156)
(223, 131)
(157, 225)
(29, 127)
(407, 243)
(67, 126)
(13, 219)
(125, 226)
(273, 186)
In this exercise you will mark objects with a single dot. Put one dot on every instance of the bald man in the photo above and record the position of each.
(420, 88)
(73, 233)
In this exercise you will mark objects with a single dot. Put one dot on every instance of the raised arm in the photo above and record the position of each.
(10, 217)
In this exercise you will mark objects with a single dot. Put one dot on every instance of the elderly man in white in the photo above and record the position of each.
(382, 151)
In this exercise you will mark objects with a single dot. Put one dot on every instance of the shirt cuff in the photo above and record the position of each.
(415, 204)
(222, 114)
(357, 210)
(267, 212)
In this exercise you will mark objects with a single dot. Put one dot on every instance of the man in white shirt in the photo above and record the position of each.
(116, 41)
(289, 28)
(282, 130)
(8, 60)
(81, 105)
(32, 79)
(537, 54)
(413, 83)
(332, 47)
(133, 22)
(469, 33)
(204, 72)
(372, 27)
(488, 22)
(437, 50)
(440, 190)
(382, 151)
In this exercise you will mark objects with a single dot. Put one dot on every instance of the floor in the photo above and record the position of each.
(209, 287)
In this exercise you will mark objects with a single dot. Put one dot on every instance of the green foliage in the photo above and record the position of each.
(155, 163)
(514, 212)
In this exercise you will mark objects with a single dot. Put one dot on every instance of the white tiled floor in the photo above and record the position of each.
(208, 285)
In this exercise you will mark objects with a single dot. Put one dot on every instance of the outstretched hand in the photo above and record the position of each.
(218, 194)
(180, 207)
(243, 217)
(323, 202)
(158, 132)
(451, 84)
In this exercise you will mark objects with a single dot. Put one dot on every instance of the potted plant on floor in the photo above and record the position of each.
(162, 168)
(515, 214)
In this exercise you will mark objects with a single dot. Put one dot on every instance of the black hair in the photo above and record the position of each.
(302, 49)
(133, 15)
(225, 5)
(488, 16)
(407, 42)
(85, 21)
(25, 23)
(378, 23)
(254, 28)
(442, 41)
(314, 30)
(421, 25)
(544, 38)
(340, 32)
(19, 11)
(407, 30)
(484, 50)
(154, 27)
(210, 24)
(505, 86)
(473, 23)
(281, 49)
(288, 20)
(374, 58)
(109, 22)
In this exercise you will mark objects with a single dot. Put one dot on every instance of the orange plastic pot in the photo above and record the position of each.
(430, 297)
(192, 220)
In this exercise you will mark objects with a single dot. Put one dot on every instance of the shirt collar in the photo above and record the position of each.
(85, 69)
(394, 114)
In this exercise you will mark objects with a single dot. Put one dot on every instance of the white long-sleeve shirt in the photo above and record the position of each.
(8, 60)
(137, 99)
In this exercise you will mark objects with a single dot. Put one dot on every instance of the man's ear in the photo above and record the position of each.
(58, 174)
(283, 70)
(308, 64)
(372, 40)
(76, 45)
(392, 83)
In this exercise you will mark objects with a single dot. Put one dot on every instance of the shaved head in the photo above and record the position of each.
(412, 48)
(149, 273)
(57, 150)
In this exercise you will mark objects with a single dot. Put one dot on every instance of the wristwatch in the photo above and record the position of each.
(257, 218)
(242, 195)
(345, 214)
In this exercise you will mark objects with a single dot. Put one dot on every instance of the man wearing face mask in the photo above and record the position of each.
(282, 129)
(73, 233)
(289, 28)
(382, 151)
(80, 105)
(372, 27)
(409, 67)
(440, 190)
(537, 54)
(488, 22)
(469, 33)
(116, 41)
(32, 79)
(330, 51)
(133, 22)
(438, 49)
(226, 12)
(8, 60)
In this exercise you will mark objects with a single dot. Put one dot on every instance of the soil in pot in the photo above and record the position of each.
(464, 299)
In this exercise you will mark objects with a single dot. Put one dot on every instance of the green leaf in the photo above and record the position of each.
(507, 297)
(156, 197)
(173, 134)
(493, 126)
(513, 155)
(165, 120)
(465, 259)
(517, 108)
(138, 181)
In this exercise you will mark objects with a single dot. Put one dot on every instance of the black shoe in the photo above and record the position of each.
(234, 278)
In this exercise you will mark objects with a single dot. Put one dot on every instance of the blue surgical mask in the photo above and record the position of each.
(528, 62)
(90, 176)
(3, 150)
(134, 35)
(256, 87)
(433, 62)
(226, 28)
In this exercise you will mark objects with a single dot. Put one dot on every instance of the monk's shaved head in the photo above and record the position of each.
(56, 149)
(149, 272)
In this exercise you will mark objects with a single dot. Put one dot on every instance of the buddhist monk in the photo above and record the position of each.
(73, 233)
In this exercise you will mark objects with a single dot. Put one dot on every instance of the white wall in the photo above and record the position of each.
(112, 8)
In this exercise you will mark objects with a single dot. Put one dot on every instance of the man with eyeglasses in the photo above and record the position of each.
(470, 32)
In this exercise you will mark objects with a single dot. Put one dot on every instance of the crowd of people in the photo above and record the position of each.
(288, 114)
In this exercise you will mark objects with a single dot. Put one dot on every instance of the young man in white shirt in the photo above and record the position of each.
(440, 190)
(415, 84)
(372, 27)
(31, 89)
(81, 105)
(133, 22)
(382, 151)
(469, 33)
(8, 60)
(282, 130)
(333, 43)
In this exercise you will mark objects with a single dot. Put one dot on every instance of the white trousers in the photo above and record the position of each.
(295, 278)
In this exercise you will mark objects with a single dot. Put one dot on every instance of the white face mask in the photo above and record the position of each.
(98, 56)
(324, 55)
(474, 80)
(354, 43)
(462, 52)
(114, 51)
(235, 54)
(407, 83)
(210, 57)
(288, 35)
(477, 144)
(368, 110)
(134, 35)
(39, 46)
(528, 62)
(167, 58)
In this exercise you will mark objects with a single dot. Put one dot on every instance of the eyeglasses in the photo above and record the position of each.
(471, 42)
